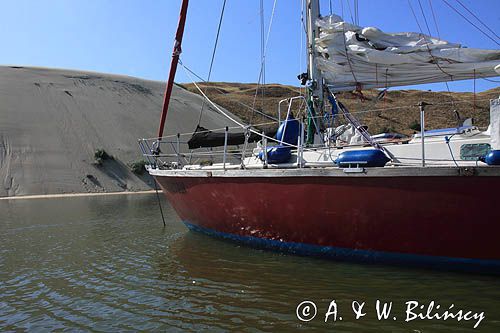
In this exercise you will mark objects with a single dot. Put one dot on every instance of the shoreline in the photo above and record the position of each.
(70, 195)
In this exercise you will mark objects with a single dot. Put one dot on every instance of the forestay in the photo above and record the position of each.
(353, 57)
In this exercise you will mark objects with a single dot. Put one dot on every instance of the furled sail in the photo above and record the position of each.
(204, 138)
(352, 57)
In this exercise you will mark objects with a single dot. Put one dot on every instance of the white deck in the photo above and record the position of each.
(408, 154)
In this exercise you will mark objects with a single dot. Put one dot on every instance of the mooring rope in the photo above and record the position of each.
(159, 201)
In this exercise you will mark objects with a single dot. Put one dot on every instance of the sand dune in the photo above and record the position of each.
(52, 121)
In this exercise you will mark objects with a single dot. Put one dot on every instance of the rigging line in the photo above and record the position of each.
(425, 19)
(347, 54)
(213, 56)
(427, 44)
(246, 127)
(477, 18)
(212, 103)
(491, 80)
(406, 108)
(301, 45)
(356, 11)
(350, 11)
(159, 201)
(465, 18)
(222, 92)
(225, 114)
(415, 16)
(262, 27)
(353, 13)
(449, 94)
(302, 16)
(474, 100)
(386, 87)
(263, 58)
(301, 39)
(409, 108)
(439, 36)
(434, 17)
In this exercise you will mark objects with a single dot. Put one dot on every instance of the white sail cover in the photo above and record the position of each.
(352, 57)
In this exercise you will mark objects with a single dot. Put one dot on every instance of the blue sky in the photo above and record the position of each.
(135, 37)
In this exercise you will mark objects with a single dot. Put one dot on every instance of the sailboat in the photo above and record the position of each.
(339, 192)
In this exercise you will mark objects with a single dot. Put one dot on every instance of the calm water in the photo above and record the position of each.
(107, 264)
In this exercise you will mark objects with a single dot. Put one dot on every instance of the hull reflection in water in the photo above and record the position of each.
(435, 220)
(107, 264)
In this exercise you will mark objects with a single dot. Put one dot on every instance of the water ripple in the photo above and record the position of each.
(107, 265)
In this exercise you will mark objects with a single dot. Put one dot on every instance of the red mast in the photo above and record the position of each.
(173, 65)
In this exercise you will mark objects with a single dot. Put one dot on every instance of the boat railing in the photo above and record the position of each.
(290, 103)
(173, 150)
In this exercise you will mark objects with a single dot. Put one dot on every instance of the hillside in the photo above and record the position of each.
(52, 122)
(395, 113)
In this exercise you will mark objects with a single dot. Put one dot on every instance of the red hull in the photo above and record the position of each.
(435, 216)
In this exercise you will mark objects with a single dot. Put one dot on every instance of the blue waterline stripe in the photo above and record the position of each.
(366, 256)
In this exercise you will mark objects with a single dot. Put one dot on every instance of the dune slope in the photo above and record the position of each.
(52, 121)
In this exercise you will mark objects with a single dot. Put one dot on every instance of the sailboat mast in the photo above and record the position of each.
(315, 89)
(173, 65)
(312, 13)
